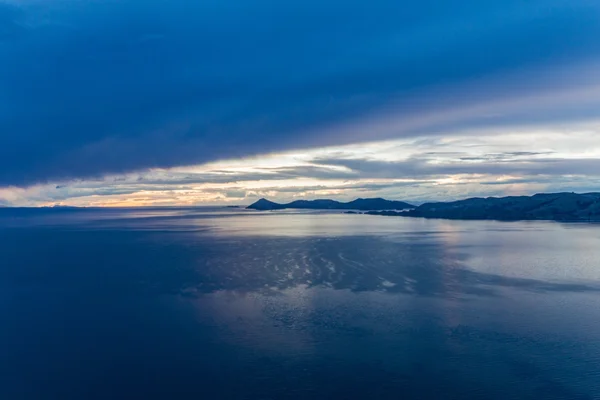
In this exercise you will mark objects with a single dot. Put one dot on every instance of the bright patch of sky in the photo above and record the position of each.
(432, 168)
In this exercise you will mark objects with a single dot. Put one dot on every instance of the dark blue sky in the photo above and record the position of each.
(89, 88)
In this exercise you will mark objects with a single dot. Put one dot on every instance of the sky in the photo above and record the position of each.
(186, 102)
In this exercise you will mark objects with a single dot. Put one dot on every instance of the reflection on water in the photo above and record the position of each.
(229, 303)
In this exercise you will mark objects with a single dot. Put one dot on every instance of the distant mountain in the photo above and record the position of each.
(358, 204)
(264, 204)
(543, 206)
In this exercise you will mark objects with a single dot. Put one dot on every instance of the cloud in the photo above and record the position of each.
(436, 168)
(423, 167)
(90, 89)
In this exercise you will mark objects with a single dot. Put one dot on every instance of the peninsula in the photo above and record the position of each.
(542, 206)
(377, 204)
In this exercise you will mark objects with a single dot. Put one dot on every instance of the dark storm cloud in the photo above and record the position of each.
(90, 88)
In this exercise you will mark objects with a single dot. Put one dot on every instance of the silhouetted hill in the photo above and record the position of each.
(543, 206)
(264, 204)
(358, 204)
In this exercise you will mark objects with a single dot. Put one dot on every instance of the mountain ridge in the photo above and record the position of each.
(372, 204)
(564, 206)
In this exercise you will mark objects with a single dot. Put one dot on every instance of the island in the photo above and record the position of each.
(358, 204)
(543, 206)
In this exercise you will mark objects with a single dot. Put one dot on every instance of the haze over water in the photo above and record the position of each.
(227, 303)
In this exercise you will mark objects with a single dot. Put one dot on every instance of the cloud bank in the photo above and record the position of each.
(92, 90)
(434, 168)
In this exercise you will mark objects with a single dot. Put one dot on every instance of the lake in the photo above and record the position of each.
(216, 303)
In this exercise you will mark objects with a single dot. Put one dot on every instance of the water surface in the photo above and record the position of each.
(228, 303)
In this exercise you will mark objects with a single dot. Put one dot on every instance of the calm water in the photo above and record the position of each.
(226, 303)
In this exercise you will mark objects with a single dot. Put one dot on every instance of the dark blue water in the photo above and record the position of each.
(229, 304)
